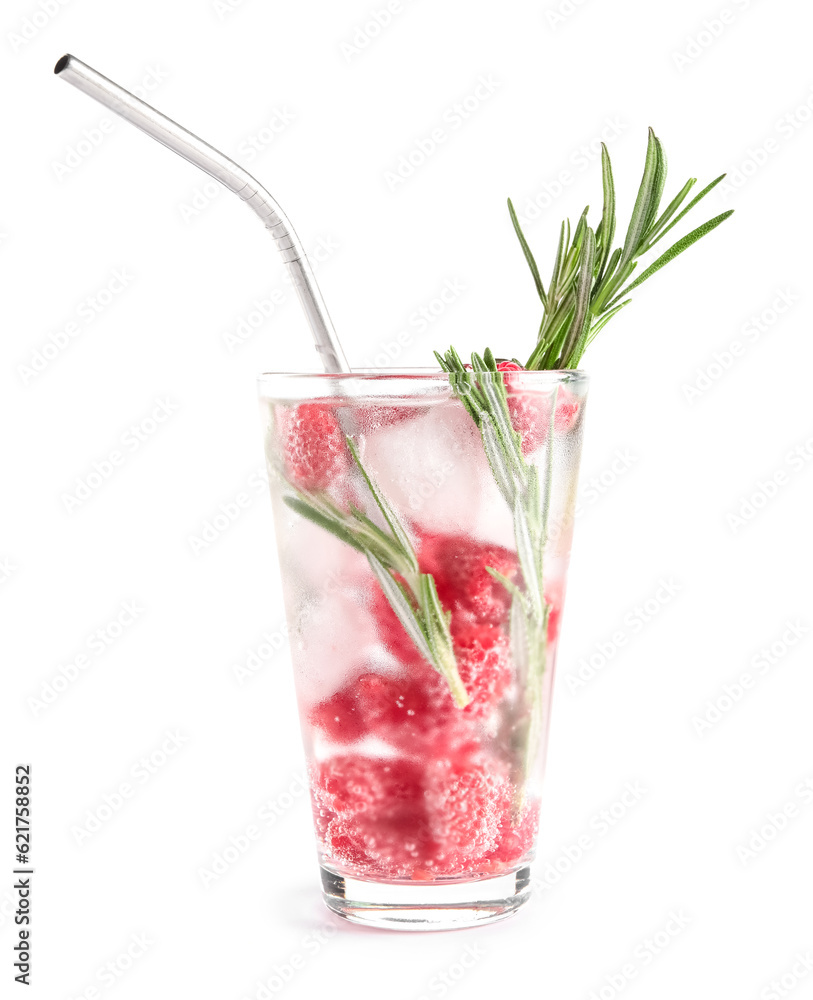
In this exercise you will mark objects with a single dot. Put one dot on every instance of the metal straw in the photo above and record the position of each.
(168, 132)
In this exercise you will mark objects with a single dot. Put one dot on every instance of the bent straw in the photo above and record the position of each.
(228, 173)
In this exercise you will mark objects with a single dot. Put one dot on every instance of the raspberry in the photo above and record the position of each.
(352, 784)
(314, 445)
(417, 706)
(395, 709)
(509, 366)
(398, 818)
(463, 581)
(530, 412)
(338, 718)
(421, 700)
(530, 415)
(371, 813)
(464, 803)
(484, 663)
(529, 418)
(567, 410)
(514, 842)
(414, 712)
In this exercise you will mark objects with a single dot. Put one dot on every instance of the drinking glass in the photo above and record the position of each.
(424, 595)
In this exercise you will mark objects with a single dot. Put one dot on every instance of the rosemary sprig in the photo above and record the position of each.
(591, 281)
(589, 285)
(482, 391)
(391, 555)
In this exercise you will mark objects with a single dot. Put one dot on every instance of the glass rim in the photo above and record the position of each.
(419, 374)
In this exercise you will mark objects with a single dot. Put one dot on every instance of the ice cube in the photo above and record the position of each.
(434, 471)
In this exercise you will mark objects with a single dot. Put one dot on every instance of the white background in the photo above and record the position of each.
(719, 98)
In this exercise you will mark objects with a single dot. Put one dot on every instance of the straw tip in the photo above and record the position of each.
(62, 63)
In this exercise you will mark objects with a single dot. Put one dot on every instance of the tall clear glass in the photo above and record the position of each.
(423, 526)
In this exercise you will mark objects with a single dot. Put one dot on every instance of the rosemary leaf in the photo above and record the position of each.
(673, 252)
(568, 325)
(641, 213)
(440, 640)
(553, 289)
(519, 639)
(581, 317)
(387, 511)
(527, 558)
(312, 513)
(607, 224)
(688, 208)
(509, 585)
(494, 391)
(401, 606)
(529, 257)
(496, 458)
(669, 211)
(657, 186)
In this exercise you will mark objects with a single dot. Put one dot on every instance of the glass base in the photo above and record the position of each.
(426, 906)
